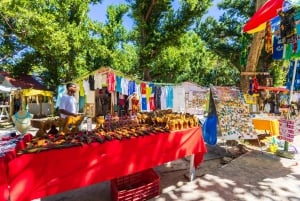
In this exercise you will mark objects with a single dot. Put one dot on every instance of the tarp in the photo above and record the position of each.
(265, 13)
(35, 92)
(6, 89)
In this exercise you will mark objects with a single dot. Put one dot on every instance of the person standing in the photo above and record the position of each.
(68, 103)
(70, 119)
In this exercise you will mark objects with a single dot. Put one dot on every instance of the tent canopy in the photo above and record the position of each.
(5, 89)
(35, 92)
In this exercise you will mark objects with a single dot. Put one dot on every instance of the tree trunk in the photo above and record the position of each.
(254, 53)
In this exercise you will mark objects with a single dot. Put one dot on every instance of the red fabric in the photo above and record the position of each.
(41, 174)
(273, 89)
(265, 13)
(143, 88)
(255, 85)
(111, 81)
(3, 180)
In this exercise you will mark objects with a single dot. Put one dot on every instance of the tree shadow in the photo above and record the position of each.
(254, 175)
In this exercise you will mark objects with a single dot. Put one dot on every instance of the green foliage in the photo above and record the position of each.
(160, 27)
(278, 72)
(59, 37)
(57, 40)
(224, 36)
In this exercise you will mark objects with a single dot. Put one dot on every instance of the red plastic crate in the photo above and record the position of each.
(135, 187)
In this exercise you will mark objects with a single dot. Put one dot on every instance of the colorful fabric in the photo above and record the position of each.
(278, 48)
(152, 104)
(124, 84)
(287, 26)
(144, 103)
(131, 87)
(157, 95)
(169, 90)
(81, 88)
(118, 84)
(143, 88)
(163, 100)
(265, 13)
(61, 90)
(268, 39)
(111, 82)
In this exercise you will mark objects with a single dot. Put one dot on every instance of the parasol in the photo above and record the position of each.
(265, 13)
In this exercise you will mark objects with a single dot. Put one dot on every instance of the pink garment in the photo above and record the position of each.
(111, 82)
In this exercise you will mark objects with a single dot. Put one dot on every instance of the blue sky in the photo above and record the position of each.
(98, 12)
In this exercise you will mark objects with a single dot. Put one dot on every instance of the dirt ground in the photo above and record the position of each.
(233, 172)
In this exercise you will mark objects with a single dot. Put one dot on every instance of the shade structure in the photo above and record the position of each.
(265, 13)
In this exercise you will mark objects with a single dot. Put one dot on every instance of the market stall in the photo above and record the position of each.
(5, 102)
(107, 91)
(98, 162)
(38, 102)
(280, 20)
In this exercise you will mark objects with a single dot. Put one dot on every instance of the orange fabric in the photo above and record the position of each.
(45, 173)
(270, 125)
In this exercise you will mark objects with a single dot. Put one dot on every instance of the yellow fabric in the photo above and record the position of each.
(269, 125)
(148, 92)
(257, 29)
(81, 88)
(250, 99)
(35, 92)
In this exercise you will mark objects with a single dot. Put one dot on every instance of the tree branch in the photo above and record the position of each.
(153, 2)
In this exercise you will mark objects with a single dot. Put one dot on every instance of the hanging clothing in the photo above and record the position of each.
(111, 81)
(81, 88)
(179, 99)
(118, 84)
(98, 80)
(124, 84)
(268, 39)
(131, 87)
(278, 48)
(157, 95)
(92, 82)
(163, 100)
(86, 86)
(287, 26)
(169, 97)
(61, 90)
(143, 88)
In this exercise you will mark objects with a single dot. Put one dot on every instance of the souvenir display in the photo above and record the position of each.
(233, 116)
(288, 129)
(196, 98)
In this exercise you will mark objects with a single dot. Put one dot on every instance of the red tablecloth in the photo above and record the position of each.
(3, 180)
(41, 174)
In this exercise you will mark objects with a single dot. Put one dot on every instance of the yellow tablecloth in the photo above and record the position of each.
(271, 126)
